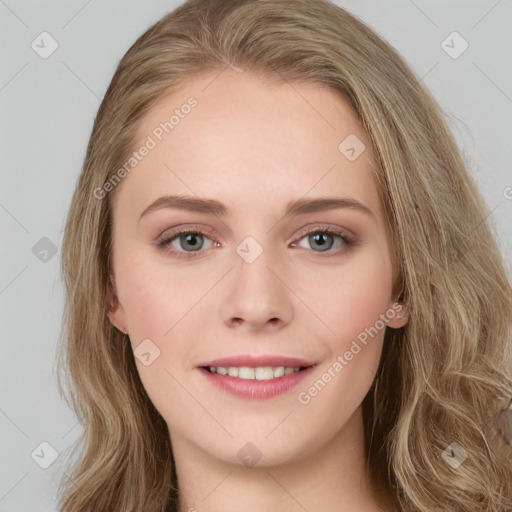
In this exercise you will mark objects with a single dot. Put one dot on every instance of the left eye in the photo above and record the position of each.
(323, 240)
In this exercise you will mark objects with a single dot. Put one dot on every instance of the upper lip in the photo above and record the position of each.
(255, 361)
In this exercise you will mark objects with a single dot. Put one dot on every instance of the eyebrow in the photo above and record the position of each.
(296, 207)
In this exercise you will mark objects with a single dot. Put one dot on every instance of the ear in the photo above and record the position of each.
(115, 310)
(398, 315)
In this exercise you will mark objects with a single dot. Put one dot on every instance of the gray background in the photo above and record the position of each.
(48, 106)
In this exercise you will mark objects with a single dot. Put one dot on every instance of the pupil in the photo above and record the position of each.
(320, 239)
(192, 240)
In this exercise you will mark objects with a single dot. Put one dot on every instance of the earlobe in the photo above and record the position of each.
(398, 315)
(115, 311)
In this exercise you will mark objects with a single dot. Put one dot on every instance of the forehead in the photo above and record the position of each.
(234, 135)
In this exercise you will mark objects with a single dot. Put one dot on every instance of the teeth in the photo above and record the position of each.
(266, 373)
(245, 373)
(259, 373)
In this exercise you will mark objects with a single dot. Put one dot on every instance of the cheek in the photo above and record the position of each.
(348, 298)
(156, 296)
(352, 305)
(148, 306)
(159, 305)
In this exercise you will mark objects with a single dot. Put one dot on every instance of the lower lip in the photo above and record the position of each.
(256, 389)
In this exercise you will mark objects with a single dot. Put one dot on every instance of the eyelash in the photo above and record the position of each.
(164, 241)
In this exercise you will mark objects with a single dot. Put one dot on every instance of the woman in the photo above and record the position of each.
(281, 287)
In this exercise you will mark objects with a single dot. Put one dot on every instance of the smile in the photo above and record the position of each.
(259, 373)
(254, 383)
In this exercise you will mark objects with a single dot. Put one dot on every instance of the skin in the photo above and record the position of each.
(256, 144)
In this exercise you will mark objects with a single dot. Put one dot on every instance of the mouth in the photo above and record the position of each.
(259, 373)
(256, 377)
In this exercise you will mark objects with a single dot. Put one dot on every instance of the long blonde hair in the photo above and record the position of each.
(442, 378)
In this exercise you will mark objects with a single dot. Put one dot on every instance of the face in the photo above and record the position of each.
(286, 267)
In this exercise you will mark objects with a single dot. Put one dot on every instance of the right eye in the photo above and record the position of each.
(183, 243)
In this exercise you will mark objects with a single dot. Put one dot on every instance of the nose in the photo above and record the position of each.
(256, 295)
